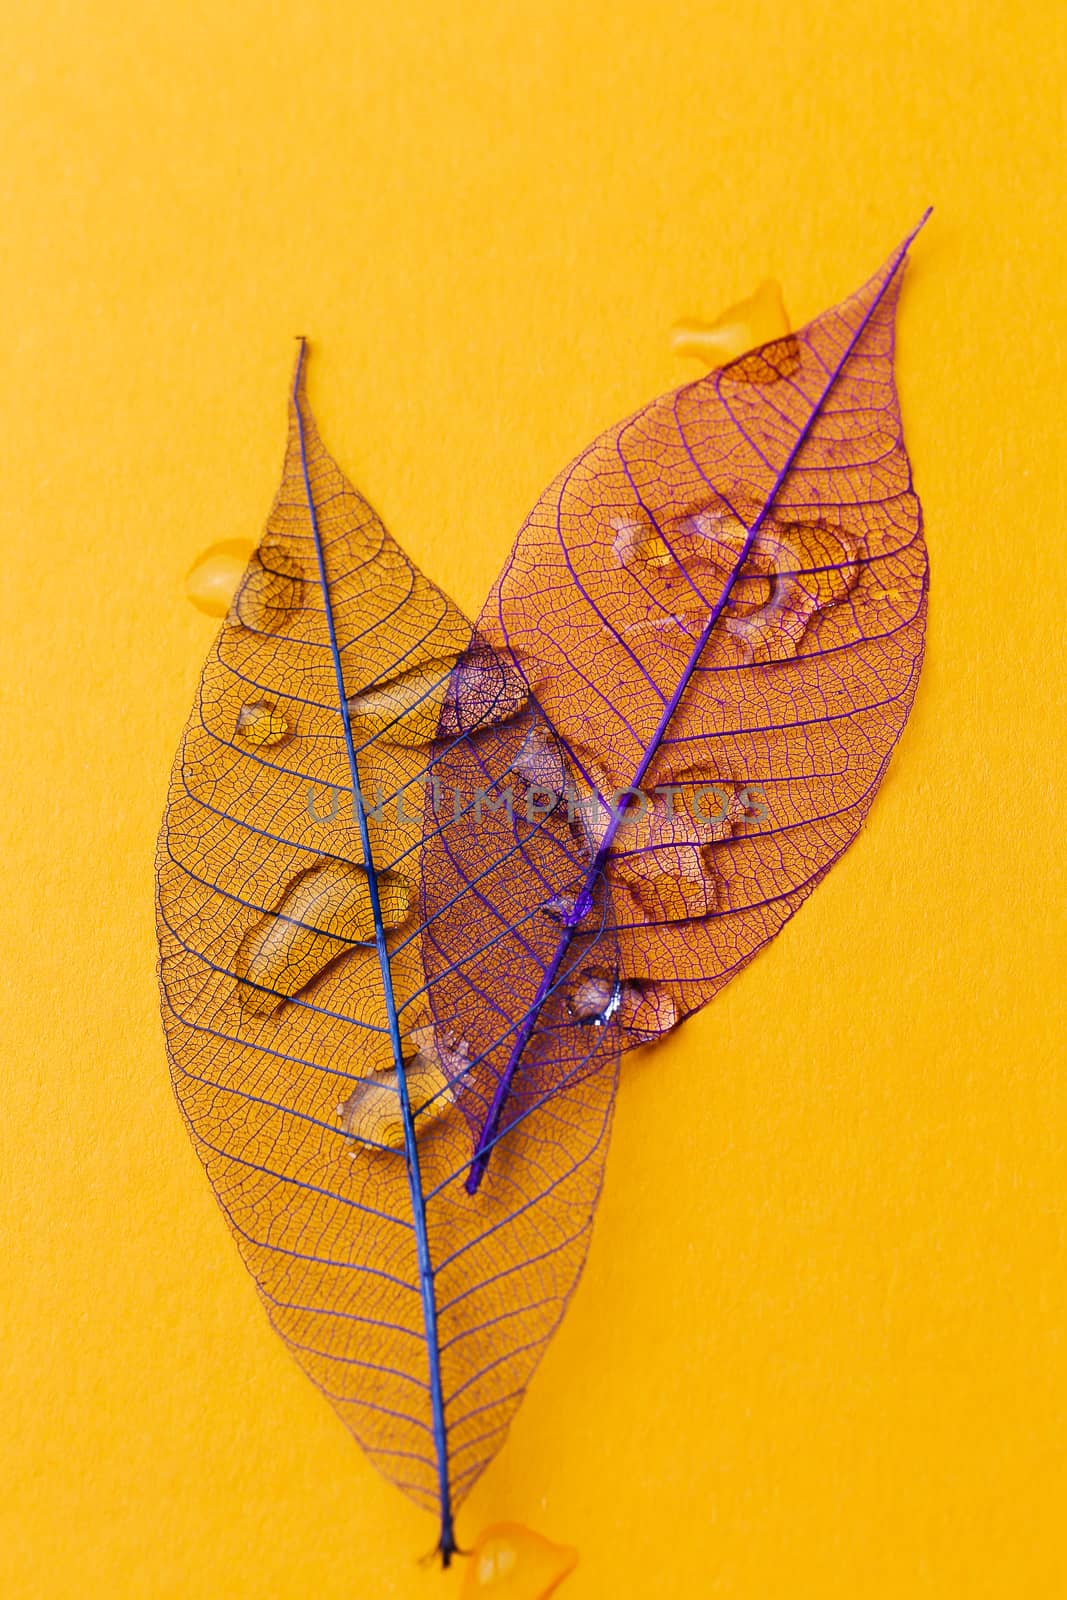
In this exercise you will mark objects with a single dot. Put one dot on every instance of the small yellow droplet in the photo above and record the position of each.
(638, 545)
(372, 1113)
(324, 912)
(212, 580)
(755, 321)
(406, 709)
(275, 584)
(259, 723)
(510, 1562)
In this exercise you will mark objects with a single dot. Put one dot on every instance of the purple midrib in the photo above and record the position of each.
(490, 1127)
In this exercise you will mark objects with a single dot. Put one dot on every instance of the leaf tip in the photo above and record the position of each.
(919, 226)
(893, 270)
(923, 220)
(299, 384)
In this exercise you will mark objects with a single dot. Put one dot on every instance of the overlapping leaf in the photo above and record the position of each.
(394, 1025)
(718, 610)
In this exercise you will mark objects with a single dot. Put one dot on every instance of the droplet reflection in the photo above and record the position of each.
(755, 321)
(261, 724)
(212, 580)
(510, 1562)
(324, 912)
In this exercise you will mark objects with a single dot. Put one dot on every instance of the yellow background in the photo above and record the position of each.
(819, 1349)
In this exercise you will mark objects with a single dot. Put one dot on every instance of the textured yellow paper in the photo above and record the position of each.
(819, 1350)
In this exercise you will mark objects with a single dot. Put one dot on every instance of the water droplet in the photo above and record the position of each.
(691, 890)
(637, 544)
(442, 1049)
(719, 534)
(259, 723)
(667, 635)
(510, 1562)
(404, 710)
(274, 586)
(324, 912)
(561, 907)
(212, 580)
(373, 1114)
(595, 997)
(641, 1006)
(540, 762)
(664, 859)
(648, 1009)
(793, 571)
(755, 321)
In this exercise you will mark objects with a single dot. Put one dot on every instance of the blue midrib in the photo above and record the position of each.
(427, 1291)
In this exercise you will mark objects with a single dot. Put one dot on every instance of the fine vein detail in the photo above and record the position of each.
(490, 1131)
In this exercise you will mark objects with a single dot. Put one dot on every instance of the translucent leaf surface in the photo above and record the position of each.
(421, 883)
(718, 612)
(320, 1095)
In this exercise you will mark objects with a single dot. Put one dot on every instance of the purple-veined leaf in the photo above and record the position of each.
(718, 611)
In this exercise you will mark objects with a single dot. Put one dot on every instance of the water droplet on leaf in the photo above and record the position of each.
(274, 586)
(325, 911)
(648, 1009)
(595, 997)
(212, 580)
(404, 710)
(561, 907)
(259, 723)
(793, 571)
(636, 544)
(373, 1113)
(689, 890)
